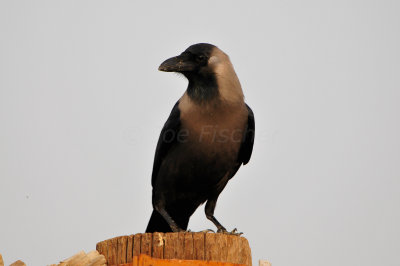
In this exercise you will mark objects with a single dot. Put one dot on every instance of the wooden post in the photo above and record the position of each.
(181, 246)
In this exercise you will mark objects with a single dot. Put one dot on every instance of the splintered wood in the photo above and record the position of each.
(92, 258)
(18, 263)
(181, 246)
(264, 263)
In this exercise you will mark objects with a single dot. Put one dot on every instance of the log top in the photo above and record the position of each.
(184, 246)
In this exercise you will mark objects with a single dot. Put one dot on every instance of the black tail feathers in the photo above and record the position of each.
(157, 223)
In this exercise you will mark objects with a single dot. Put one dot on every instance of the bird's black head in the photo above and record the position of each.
(193, 59)
(193, 63)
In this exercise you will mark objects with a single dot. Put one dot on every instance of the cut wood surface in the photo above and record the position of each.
(180, 246)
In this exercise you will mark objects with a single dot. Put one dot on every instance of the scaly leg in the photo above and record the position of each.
(209, 210)
(168, 218)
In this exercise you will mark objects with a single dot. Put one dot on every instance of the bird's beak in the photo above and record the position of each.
(180, 63)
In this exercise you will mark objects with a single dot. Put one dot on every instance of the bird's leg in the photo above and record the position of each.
(209, 210)
(167, 217)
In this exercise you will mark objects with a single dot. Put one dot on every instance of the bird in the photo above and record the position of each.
(208, 135)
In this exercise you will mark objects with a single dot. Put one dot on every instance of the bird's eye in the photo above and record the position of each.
(201, 58)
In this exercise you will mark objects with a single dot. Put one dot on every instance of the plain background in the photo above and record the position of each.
(82, 105)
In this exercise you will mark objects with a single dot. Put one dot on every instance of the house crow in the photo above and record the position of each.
(207, 137)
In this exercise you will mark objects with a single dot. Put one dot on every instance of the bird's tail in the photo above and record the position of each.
(157, 223)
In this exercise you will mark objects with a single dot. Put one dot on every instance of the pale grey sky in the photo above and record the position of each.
(82, 104)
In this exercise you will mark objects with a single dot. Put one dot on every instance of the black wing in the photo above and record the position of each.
(168, 137)
(247, 145)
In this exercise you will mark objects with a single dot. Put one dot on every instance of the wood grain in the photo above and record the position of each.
(188, 253)
(122, 246)
(174, 246)
(101, 247)
(146, 243)
(129, 249)
(199, 246)
(136, 244)
(244, 251)
(216, 247)
(179, 246)
(233, 247)
(158, 245)
(112, 251)
(93, 258)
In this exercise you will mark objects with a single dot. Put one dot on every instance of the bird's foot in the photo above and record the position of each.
(234, 232)
(222, 230)
(207, 231)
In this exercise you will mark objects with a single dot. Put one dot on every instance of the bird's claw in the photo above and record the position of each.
(222, 230)
(234, 232)
(207, 231)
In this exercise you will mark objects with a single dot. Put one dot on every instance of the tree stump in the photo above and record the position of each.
(182, 246)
